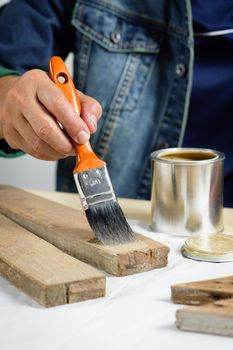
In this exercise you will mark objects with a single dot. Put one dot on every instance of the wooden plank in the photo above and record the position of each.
(68, 230)
(133, 208)
(44, 272)
(214, 318)
(200, 292)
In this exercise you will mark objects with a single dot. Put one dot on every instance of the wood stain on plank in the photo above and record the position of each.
(208, 315)
(202, 292)
(67, 229)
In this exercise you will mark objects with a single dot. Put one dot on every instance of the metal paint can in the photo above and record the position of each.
(187, 191)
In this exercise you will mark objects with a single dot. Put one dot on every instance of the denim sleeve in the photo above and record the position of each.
(32, 31)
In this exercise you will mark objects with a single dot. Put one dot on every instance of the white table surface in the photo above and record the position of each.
(136, 312)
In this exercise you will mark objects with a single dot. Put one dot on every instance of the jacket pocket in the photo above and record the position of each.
(115, 30)
(114, 53)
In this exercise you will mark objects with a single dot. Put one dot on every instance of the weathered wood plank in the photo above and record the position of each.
(44, 272)
(68, 230)
(214, 318)
(201, 292)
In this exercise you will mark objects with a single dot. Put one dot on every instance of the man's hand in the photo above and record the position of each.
(30, 107)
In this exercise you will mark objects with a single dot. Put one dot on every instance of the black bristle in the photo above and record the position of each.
(109, 223)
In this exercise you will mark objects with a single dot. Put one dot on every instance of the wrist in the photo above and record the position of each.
(6, 82)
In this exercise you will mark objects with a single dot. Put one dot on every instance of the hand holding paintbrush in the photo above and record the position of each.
(91, 176)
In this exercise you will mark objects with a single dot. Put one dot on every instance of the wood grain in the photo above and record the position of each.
(201, 292)
(214, 318)
(44, 272)
(68, 230)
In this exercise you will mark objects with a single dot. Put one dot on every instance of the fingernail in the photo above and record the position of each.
(82, 137)
(93, 120)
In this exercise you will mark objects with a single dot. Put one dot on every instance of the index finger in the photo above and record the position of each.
(57, 104)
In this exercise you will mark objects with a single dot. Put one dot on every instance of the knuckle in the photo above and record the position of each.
(14, 95)
(36, 146)
(32, 74)
(67, 150)
(44, 131)
(59, 100)
(97, 108)
(9, 135)
(12, 143)
(42, 94)
(35, 151)
(64, 148)
(73, 124)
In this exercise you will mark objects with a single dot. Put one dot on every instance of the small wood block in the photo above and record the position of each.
(214, 318)
(39, 269)
(69, 230)
(201, 292)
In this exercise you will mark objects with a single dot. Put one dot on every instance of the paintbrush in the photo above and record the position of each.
(94, 186)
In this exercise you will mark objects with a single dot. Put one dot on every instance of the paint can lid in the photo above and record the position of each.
(216, 247)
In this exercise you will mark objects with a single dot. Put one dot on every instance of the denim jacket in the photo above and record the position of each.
(134, 57)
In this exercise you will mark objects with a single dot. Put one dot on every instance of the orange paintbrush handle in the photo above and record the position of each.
(85, 157)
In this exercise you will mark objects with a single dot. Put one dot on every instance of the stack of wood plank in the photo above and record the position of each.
(46, 250)
(213, 310)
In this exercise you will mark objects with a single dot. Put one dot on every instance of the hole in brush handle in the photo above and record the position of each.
(62, 78)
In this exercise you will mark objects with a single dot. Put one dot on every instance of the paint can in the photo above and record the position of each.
(187, 191)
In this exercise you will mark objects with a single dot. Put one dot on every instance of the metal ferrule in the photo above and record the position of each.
(94, 186)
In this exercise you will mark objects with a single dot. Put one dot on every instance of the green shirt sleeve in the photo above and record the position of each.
(6, 71)
(5, 150)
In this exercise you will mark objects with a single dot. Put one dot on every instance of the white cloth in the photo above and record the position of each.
(136, 313)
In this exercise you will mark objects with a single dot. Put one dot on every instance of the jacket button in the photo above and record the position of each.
(115, 37)
(180, 70)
